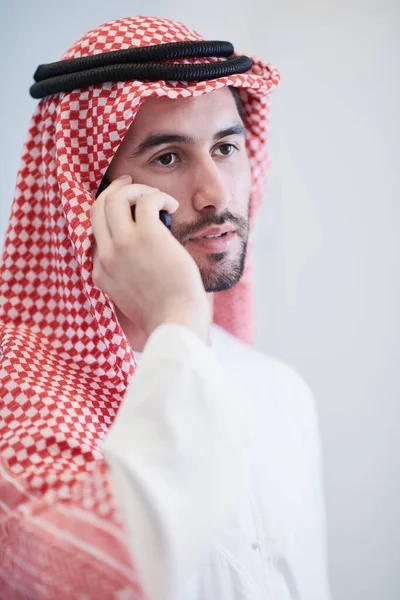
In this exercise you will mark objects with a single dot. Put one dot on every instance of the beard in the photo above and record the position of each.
(223, 273)
(219, 271)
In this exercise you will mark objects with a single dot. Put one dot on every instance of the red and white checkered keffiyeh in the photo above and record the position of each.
(65, 360)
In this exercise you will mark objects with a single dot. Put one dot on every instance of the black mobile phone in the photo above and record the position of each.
(164, 215)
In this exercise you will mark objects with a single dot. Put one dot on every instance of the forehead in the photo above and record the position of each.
(203, 115)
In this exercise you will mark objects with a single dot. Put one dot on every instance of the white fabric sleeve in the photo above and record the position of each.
(178, 457)
(310, 557)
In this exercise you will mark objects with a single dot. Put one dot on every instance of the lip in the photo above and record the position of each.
(214, 231)
(214, 245)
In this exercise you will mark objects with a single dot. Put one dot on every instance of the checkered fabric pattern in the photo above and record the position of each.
(65, 360)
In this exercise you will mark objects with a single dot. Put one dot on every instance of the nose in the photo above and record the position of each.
(211, 189)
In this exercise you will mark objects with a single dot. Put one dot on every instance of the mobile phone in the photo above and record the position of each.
(164, 215)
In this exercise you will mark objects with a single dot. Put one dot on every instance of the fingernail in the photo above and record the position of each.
(124, 177)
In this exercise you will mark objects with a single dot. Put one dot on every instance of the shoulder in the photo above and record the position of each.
(270, 379)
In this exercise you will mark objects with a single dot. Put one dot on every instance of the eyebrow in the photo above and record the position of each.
(157, 139)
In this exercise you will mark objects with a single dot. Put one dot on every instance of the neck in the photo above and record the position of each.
(136, 336)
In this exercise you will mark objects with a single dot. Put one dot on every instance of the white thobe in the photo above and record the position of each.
(215, 462)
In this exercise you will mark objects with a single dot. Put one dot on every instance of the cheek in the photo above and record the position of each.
(173, 182)
(177, 184)
(239, 182)
(246, 173)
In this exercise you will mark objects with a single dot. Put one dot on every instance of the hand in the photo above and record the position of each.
(146, 272)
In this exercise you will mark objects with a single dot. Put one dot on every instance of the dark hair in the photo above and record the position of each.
(235, 94)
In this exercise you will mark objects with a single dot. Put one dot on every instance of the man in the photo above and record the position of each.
(146, 452)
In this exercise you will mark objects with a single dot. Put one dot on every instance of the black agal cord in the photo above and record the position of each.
(144, 64)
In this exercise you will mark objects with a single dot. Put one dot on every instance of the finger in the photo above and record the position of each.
(117, 208)
(100, 227)
(116, 183)
(147, 211)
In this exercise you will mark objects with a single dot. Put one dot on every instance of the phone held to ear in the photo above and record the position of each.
(164, 215)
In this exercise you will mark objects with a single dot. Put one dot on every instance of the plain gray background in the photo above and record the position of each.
(327, 244)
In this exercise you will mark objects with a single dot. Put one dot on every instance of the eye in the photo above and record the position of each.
(226, 149)
(166, 160)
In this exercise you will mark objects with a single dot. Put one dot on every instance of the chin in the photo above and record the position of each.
(220, 276)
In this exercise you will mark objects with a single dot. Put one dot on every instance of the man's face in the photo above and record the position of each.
(194, 150)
